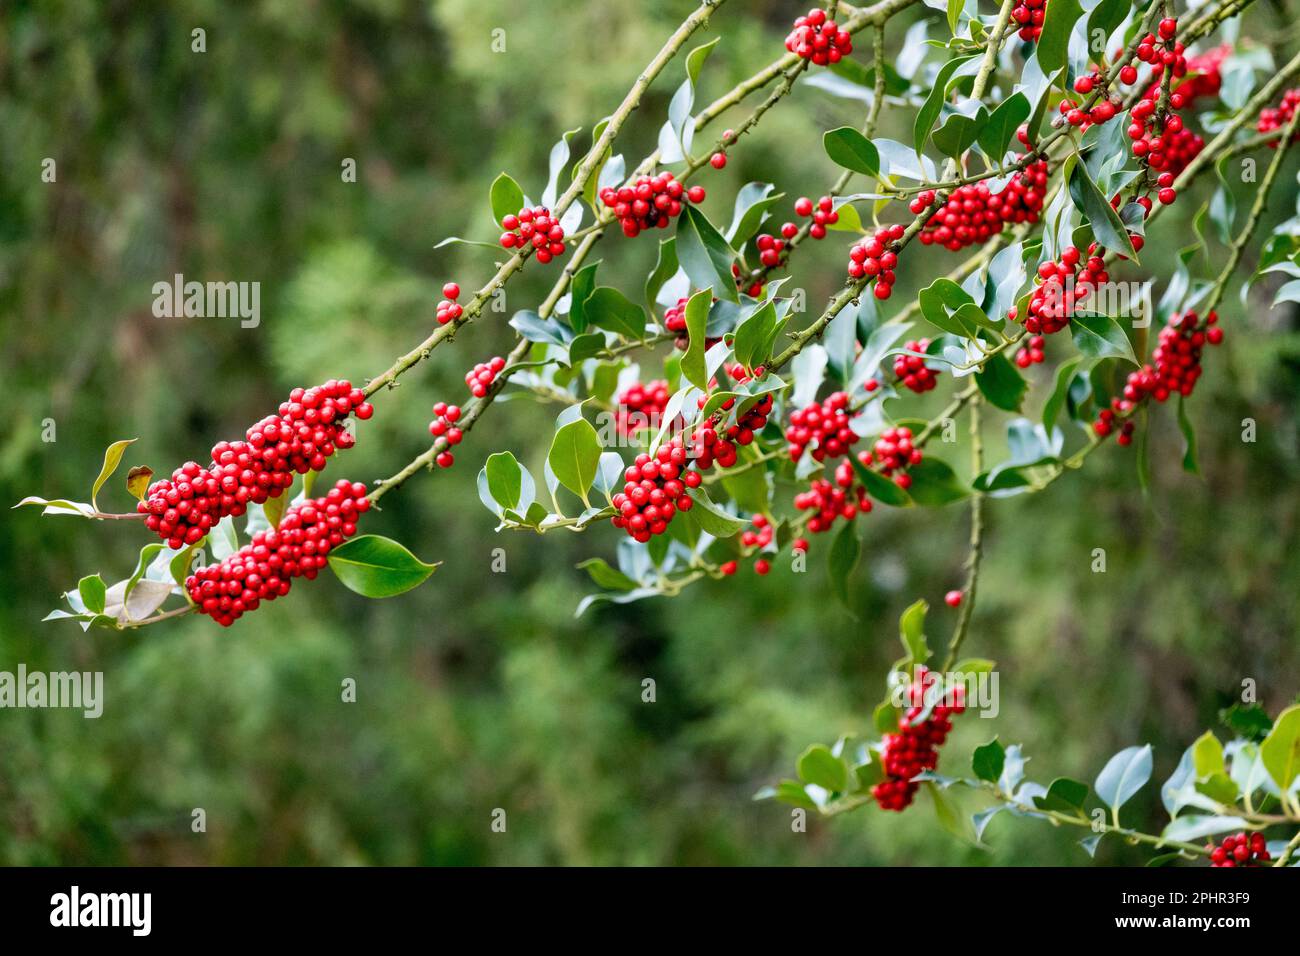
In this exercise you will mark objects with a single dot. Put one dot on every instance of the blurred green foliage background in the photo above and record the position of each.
(482, 690)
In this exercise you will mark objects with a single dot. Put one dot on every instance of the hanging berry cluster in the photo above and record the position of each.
(894, 451)
(1160, 139)
(535, 227)
(1029, 14)
(819, 39)
(1273, 118)
(1062, 285)
(654, 491)
(823, 214)
(300, 438)
(911, 369)
(758, 539)
(1032, 352)
(481, 376)
(1174, 369)
(641, 406)
(443, 427)
(263, 569)
(876, 258)
(1240, 850)
(975, 214)
(1103, 111)
(714, 444)
(827, 502)
(448, 309)
(915, 748)
(649, 203)
(825, 426)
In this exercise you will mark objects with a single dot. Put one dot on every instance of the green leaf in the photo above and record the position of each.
(1003, 123)
(1063, 794)
(930, 109)
(377, 567)
(1197, 826)
(1002, 384)
(843, 559)
(849, 148)
(878, 486)
(1124, 775)
(1106, 17)
(1100, 336)
(935, 484)
(665, 268)
(712, 519)
(60, 506)
(179, 566)
(112, 458)
(575, 455)
(987, 760)
(911, 631)
(752, 204)
(693, 364)
(580, 290)
(954, 14)
(1189, 438)
(753, 334)
(1280, 750)
(1105, 221)
(506, 198)
(1056, 401)
(608, 308)
(705, 255)
(1052, 49)
(607, 577)
(505, 480)
(1207, 755)
(92, 591)
(818, 766)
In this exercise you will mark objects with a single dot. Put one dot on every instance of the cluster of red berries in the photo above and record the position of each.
(827, 502)
(769, 250)
(481, 376)
(1240, 850)
(712, 446)
(1174, 369)
(448, 309)
(1032, 352)
(537, 227)
(876, 257)
(640, 406)
(974, 213)
(1029, 14)
(759, 539)
(911, 369)
(263, 569)
(655, 490)
(1276, 117)
(894, 452)
(651, 202)
(1062, 285)
(444, 427)
(915, 748)
(819, 39)
(824, 423)
(1161, 141)
(1103, 111)
(300, 438)
(823, 214)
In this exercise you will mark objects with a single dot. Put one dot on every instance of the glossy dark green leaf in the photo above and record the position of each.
(608, 308)
(843, 559)
(506, 198)
(705, 255)
(1106, 225)
(377, 567)
(847, 147)
(1001, 383)
(934, 483)
(987, 760)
